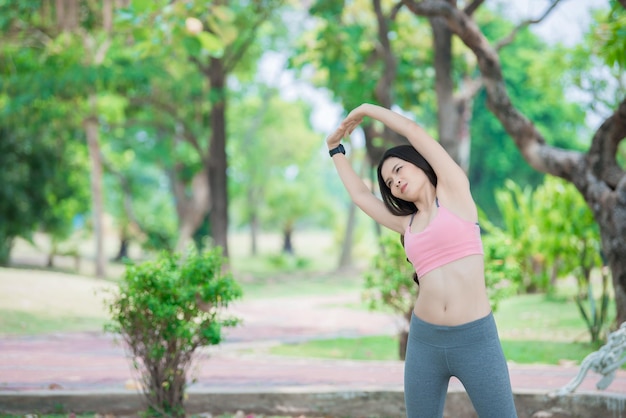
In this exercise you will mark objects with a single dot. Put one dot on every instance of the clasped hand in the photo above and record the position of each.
(346, 127)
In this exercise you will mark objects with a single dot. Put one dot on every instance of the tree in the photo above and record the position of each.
(43, 159)
(71, 41)
(275, 165)
(595, 173)
(221, 40)
(271, 137)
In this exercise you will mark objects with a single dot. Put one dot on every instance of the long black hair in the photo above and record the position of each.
(397, 206)
(407, 153)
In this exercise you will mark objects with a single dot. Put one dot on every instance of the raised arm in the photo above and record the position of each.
(360, 194)
(452, 182)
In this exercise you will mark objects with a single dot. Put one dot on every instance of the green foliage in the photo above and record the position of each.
(167, 308)
(44, 176)
(275, 169)
(389, 282)
(595, 313)
(552, 233)
(610, 35)
(538, 79)
(286, 262)
(502, 270)
(382, 348)
(342, 53)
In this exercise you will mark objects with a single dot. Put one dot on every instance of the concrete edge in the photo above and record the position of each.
(308, 401)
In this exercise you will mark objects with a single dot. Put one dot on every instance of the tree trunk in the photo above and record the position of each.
(191, 206)
(6, 244)
(447, 113)
(610, 213)
(254, 232)
(287, 240)
(122, 252)
(93, 143)
(403, 336)
(67, 14)
(218, 163)
(454, 111)
(345, 259)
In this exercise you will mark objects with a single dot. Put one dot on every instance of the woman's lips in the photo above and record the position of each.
(403, 188)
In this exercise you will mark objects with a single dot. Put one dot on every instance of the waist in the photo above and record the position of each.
(453, 294)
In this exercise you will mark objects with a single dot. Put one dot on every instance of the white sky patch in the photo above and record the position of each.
(566, 24)
(291, 172)
(272, 70)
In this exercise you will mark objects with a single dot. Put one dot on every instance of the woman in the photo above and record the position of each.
(427, 199)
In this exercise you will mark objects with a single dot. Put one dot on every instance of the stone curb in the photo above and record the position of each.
(308, 401)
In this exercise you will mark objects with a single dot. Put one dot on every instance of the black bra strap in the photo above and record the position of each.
(412, 216)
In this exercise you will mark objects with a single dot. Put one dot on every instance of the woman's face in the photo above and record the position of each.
(404, 179)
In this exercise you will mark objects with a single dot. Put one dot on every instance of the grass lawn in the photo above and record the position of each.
(533, 329)
(386, 348)
(36, 301)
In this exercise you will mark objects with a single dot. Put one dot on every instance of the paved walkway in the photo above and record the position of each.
(93, 361)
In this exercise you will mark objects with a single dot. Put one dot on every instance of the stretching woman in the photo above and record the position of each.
(426, 198)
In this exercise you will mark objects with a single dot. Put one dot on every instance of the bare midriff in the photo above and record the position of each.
(454, 293)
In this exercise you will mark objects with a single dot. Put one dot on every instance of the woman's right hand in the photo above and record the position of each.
(334, 139)
(349, 124)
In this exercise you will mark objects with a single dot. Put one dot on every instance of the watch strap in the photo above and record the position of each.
(337, 150)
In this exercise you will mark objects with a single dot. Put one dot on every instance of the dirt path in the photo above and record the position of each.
(94, 361)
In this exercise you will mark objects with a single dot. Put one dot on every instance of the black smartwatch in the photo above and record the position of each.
(339, 149)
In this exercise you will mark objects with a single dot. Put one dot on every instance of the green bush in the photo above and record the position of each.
(164, 310)
(552, 233)
(389, 283)
(502, 269)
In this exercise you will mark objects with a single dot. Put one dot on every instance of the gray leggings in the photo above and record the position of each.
(471, 352)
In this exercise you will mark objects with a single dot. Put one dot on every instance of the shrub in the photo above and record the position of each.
(389, 283)
(164, 310)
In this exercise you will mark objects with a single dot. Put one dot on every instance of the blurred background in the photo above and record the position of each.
(133, 127)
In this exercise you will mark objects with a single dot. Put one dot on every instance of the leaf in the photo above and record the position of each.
(211, 44)
(143, 6)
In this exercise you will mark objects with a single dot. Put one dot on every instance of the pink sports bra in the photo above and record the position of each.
(445, 239)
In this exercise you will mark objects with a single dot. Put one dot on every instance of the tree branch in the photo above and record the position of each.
(603, 151)
(383, 86)
(127, 193)
(529, 141)
(471, 8)
(171, 110)
(233, 59)
(511, 36)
